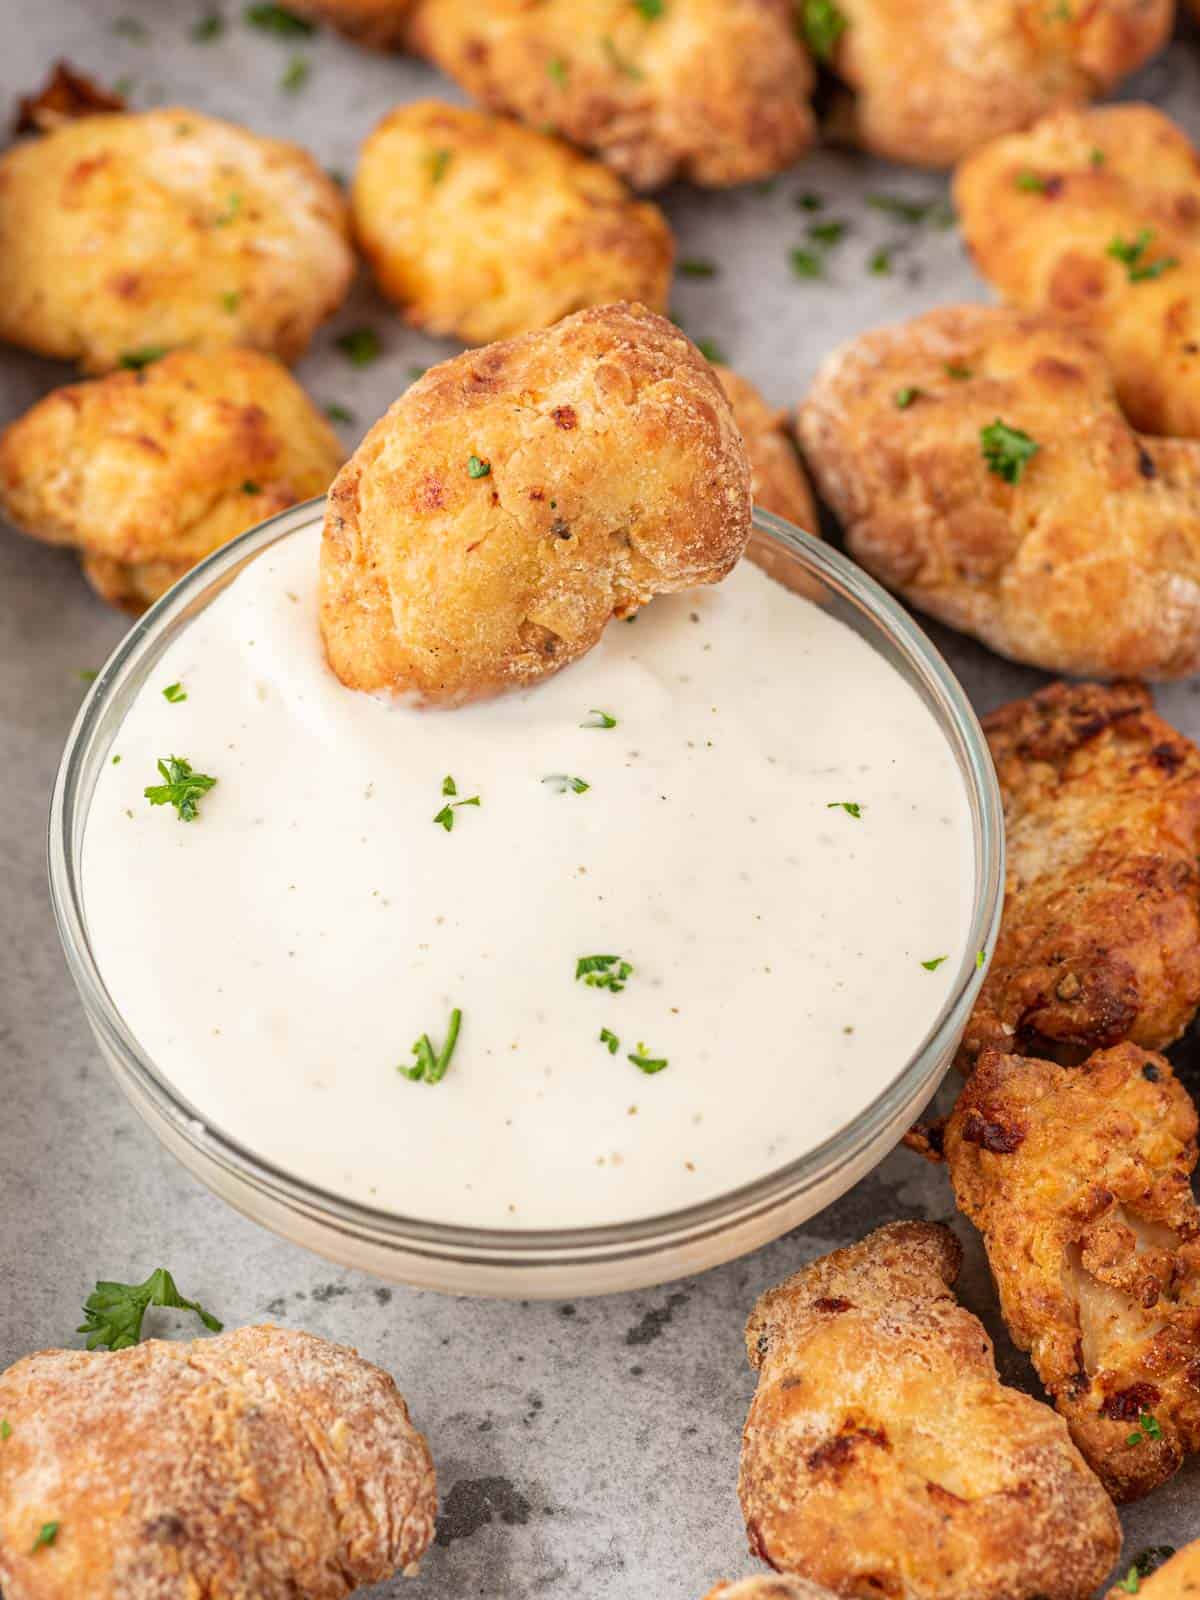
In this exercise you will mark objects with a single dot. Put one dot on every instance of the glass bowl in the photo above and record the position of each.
(525, 1264)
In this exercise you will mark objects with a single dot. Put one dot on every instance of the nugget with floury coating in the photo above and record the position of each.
(1176, 1579)
(935, 79)
(778, 480)
(129, 234)
(1079, 1179)
(147, 472)
(265, 1462)
(981, 465)
(1100, 936)
(1095, 216)
(883, 1456)
(478, 227)
(517, 498)
(712, 90)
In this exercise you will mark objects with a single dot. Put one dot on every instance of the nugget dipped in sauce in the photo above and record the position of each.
(516, 499)
(263, 1462)
(478, 227)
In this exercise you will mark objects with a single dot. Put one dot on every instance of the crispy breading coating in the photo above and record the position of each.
(379, 24)
(1095, 215)
(712, 90)
(1100, 937)
(882, 1456)
(66, 95)
(134, 232)
(776, 1587)
(935, 79)
(1176, 1579)
(1079, 1179)
(517, 498)
(479, 227)
(148, 472)
(1088, 563)
(265, 1462)
(778, 481)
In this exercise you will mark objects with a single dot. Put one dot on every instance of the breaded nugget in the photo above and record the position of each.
(773, 1588)
(934, 79)
(1176, 1579)
(377, 23)
(1095, 215)
(712, 90)
(517, 498)
(264, 1462)
(66, 95)
(478, 227)
(1100, 937)
(147, 472)
(1079, 1180)
(883, 1456)
(777, 478)
(128, 233)
(981, 465)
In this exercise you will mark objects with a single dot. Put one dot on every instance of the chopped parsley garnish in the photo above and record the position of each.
(278, 20)
(250, 487)
(556, 71)
(902, 209)
(131, 28)
(650, 9)
(439, 164)
(114, 1312)
(1096, 157)
(980, 957)
(174, 693)
(903, 398)
(430, 1065)
(477, 467)
(5, 1428)
(416, 372)
(360, 346)
(296, 75)
(822, 25)
(852, 808)
(1030, 182)
(564, 783)
(47, 1534)
(806, 263)
(880, 263)
(205, 29)
(1144, 1563)
(953, 370)
(809, 201)
(1006, 450)
(598, 719)
(626, 67)
(696, 267)
(604, 972)
(934, 963)
(181, 788)
(831, 232)
(646, 1063)
(1132, 255)
(710, 350)
(337, 413)
(230, 300)
(1148, 1427)
(88, 675)
(232, 206)
(608, 1037)
(135, 360)
(445, 817)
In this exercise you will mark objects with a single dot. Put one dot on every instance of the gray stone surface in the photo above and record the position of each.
(584, 1449)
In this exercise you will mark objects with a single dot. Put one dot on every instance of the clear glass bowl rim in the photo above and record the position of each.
(454, 1242)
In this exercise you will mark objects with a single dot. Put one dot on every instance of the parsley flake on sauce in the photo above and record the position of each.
(1007, 451)
(174, 693)
(604, 972)
(852, 808)
(477, 467)
(563, 783)
(181, 788)
(445, 817)
(934, 963)
(598, 719)
(609, 1038)
(430, 1065)
(114, 1312)
(647, 1063)
(1131, 253)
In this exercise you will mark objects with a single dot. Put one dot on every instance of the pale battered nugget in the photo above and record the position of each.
(777, 479)
(1100, 937)
(519, 497)
(377, 23)
(130, 233)
(1079, 1179)
(935, 79)
(882, 1454)
(981, 465)
(264, 1462)
(1176, 1579)
(147, 472)
(712, 90)
(478, 227)
(1096, 216)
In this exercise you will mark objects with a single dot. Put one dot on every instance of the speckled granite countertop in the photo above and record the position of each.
(583, 1449)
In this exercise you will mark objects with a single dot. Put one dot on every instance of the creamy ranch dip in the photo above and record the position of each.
(774, 837)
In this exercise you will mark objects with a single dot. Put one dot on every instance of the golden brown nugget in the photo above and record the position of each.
(1079, 1180)
(264, 1462)
(883, 1456)
(66, 95)
(379, 24)
(478, 227)
(148, 472)
(778, 479)
(517, 498)
(935, 79)
(132, 233)
(1096, 216)
(1176, 1579)
(1100, 936)
(776, 1587)
(981, 465)
(712, 90)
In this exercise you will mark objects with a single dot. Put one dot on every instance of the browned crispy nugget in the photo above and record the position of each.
(1176, 1579)
(264, 1462)
(776, 1587)
(712, 90)
(1082, 556)
(517, 498)
(377, 23)
(66, 95)
(934, 79)
(479, 227)
(130, 233)
(1095, 215)
(145, 473)
(1100, 937)
(1079, 1180)
(778, 479)
(883, 1456)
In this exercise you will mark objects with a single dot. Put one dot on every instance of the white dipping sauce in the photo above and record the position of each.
(278, 956)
